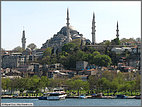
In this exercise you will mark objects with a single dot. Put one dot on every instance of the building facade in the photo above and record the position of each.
(81, 65)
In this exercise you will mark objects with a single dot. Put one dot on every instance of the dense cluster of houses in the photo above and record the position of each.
(21, 65)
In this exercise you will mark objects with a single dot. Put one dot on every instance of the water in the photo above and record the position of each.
(78, 102)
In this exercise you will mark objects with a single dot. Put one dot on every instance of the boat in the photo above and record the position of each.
(99, 95)
(82, 96)
(93, 95)
(53, 96)
(43, 97)
(137, 97)
(121, 96)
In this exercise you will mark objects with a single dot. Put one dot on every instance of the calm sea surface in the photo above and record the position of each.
(78, 102)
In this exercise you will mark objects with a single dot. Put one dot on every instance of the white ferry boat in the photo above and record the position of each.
(53, 96)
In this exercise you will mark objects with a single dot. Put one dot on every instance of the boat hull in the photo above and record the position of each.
(121, 97)
(82, 97)
(42, 98)
(60, 97)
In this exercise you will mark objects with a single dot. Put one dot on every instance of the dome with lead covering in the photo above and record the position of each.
(64, 30)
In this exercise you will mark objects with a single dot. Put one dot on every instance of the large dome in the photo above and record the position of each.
(64, 30)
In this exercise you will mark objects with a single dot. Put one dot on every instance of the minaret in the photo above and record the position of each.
(23, 40)
(93, 30)
(68, 30)
(117, 31)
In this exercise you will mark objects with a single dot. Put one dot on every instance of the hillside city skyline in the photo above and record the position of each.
(71, 51)
(41, 38)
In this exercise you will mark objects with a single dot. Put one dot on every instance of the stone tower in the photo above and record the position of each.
(93, 30)
(68, 30)
(117, 31)
(23, 40)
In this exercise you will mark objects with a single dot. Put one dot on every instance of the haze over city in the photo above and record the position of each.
(41, 20)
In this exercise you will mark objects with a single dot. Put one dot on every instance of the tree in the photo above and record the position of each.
(80, 55)
(90, 58)
(43, 82)
(92, 83)
(115, 41)
(32, 46)
(102, 60)
(29, 84)
(54, 60)
(77, 42)
(6, 83)
(77, 85)
(69, 61)
(22, 84)
(107, 42)
(69, 84)
(114, 84)
(96, 53)
(68, 47)
(114, 57)
(47, 52)
(63, 60)
(14, 83)
(131, 86)
(32, 83)
(88, 49)
(124, 40)
(56, 82)
(104, 84)
(138, 82)
(17, 84)
(109, 75)
(85, 85)
(45, 60)
(18, 49)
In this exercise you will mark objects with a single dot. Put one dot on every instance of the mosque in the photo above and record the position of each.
(67, 34)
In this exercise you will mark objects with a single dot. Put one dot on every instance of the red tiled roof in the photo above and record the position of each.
(90, 70)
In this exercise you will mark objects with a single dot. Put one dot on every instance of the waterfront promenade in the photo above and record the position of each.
(76, 97)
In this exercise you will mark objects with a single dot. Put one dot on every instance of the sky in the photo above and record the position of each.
(42, 19)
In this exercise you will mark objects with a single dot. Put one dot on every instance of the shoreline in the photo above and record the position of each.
(75, 97)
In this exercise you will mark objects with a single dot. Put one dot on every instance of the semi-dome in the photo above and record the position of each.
(76, 35)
